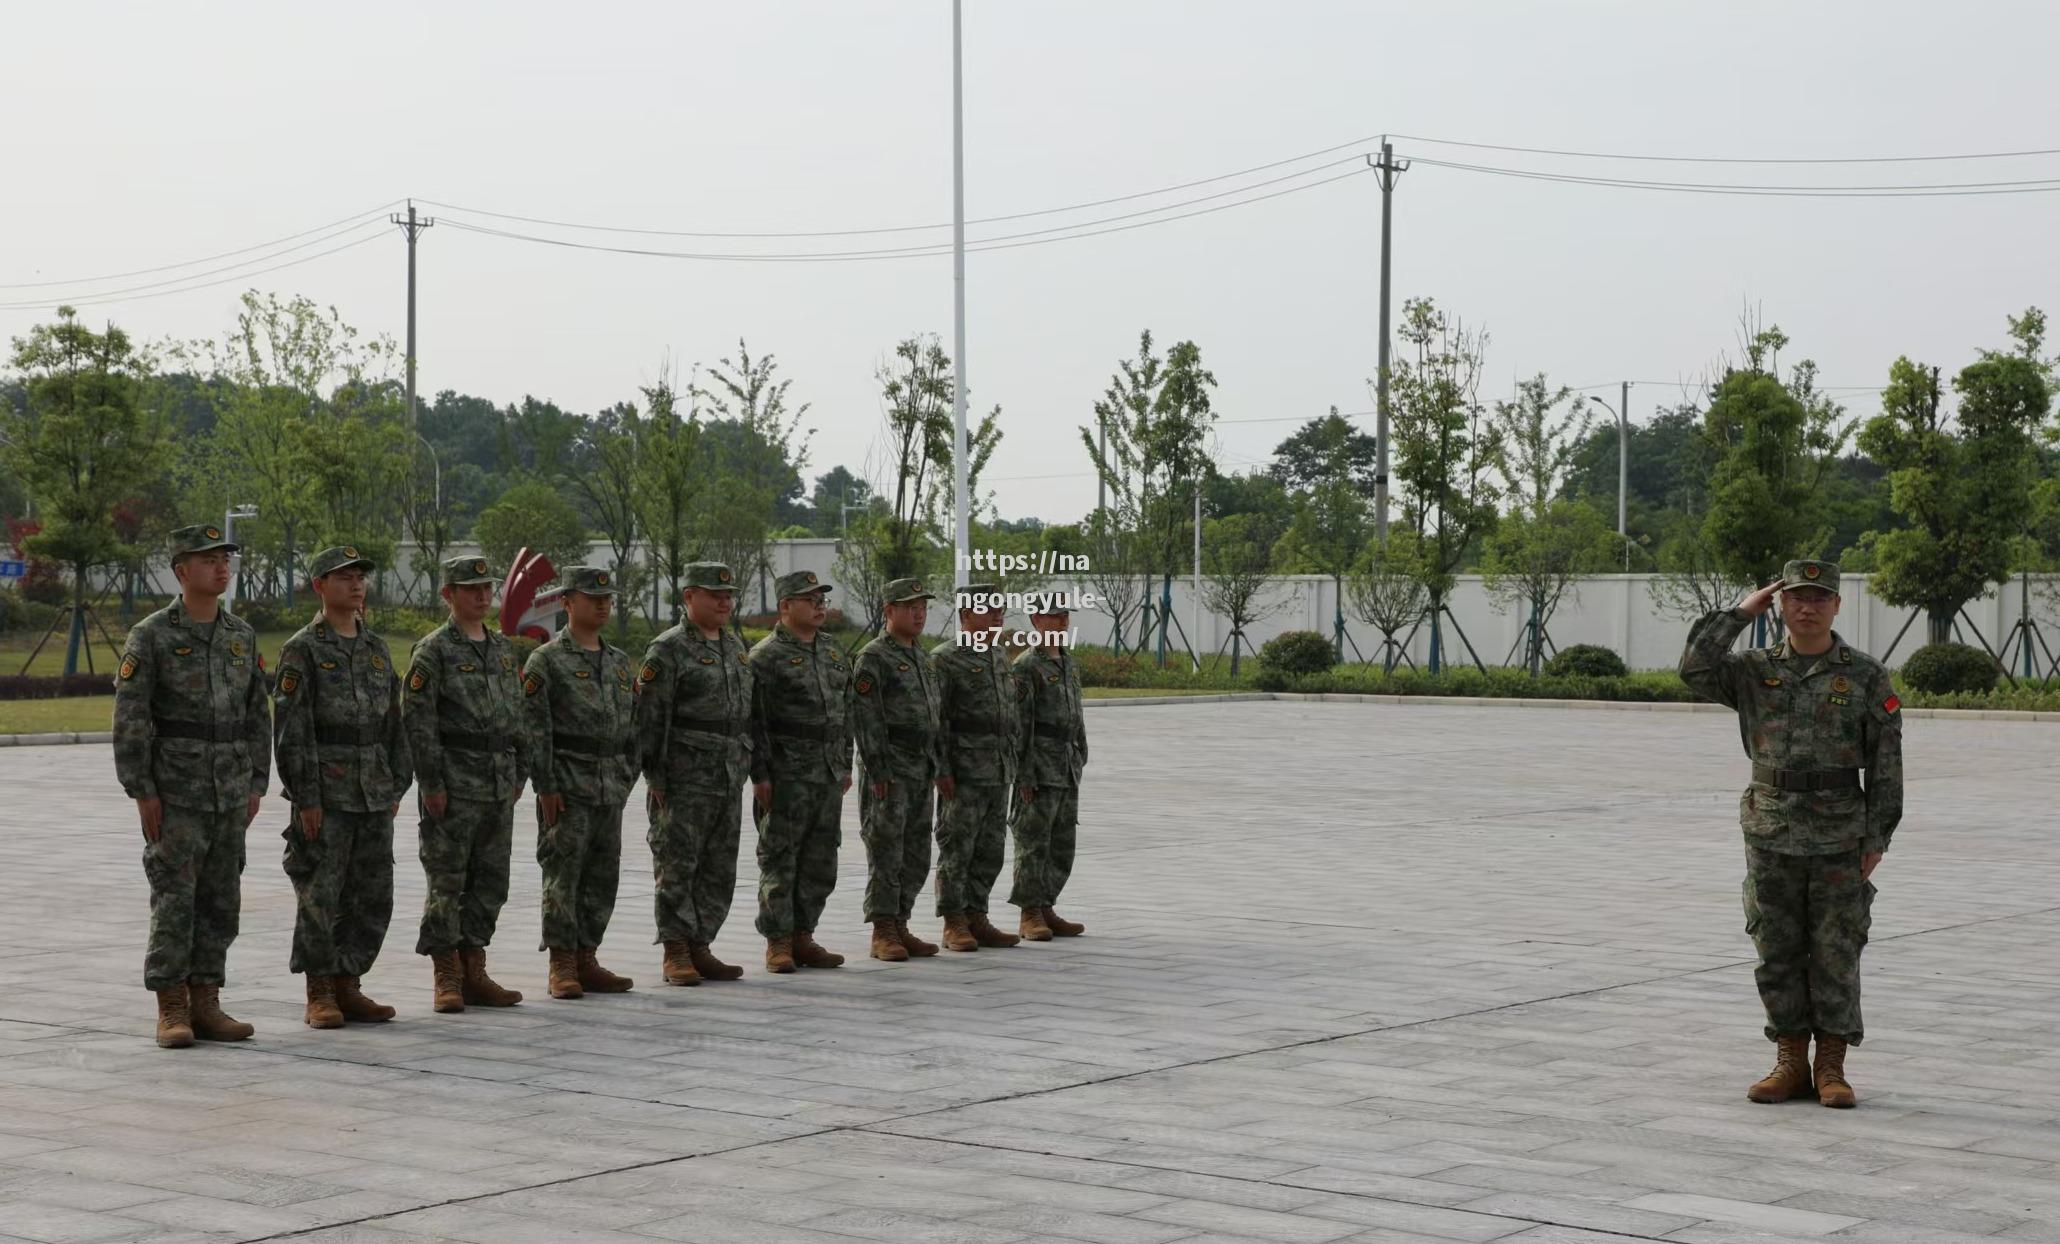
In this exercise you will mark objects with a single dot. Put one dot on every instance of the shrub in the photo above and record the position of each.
(22, 613)
(1586, 661)
(1948, 669)
(50, 687)
(1296, 653)
(1105, 669)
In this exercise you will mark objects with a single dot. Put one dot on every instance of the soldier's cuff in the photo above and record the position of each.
(1874, 846)
(140, 792)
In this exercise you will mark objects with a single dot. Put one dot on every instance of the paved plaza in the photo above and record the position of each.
(1353, 972)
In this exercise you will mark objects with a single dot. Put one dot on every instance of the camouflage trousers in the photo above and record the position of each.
(465, 855)
(896, 832)
(972, 827)
(1044, 830)
(798, 839)
(195, 870)
(342, 890)
(582, 863)
(694, 861)
(1808, 916)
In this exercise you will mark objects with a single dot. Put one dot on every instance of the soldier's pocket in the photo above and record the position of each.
(1867, 893)
(301, 855)
(1752, 906)
(177, 763)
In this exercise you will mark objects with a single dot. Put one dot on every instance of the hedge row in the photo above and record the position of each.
(51, 687)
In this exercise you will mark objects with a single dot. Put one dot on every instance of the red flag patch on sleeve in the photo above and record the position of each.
(1891, 704)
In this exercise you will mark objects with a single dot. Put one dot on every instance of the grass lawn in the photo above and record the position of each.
(1125, 693)
(14, 649)
(79, 712)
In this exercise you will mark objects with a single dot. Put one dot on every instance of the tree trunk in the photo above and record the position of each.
(1236, 643)
(1437, 663)
(1337, 623)
(1165, 614)
(1938, 625)
(290, 525)
(77, 634)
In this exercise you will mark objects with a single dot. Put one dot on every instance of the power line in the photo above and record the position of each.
(1070, 233)
(1615, 155)
(120, 296)
(1910, 191)
(193, 263)
(984, 220)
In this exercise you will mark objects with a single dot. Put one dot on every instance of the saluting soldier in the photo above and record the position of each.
(1051, 754)
(977, 751)
(694, 735)
(1814, 715)
(800, 770)
(467, 736)
(193, 748)
(582, 720)
(894, 710)
(343, 764)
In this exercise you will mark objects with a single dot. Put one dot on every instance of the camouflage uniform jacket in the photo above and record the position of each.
(190, 725)
(803, 720)
(1053, 747)
(466, 729)
(694, 711)
(895, 705)
(582, 721)
(982, 714)
(337, 722)
(1836, 710)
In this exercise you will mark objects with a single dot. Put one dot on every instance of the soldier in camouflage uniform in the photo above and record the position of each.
(894, 711)
(343, 764)
(468, 737)
(800, 769)
(1051, 752)
(694, 736)
(193, 748)
(977, 750)
(582, 720)
(1813, 715)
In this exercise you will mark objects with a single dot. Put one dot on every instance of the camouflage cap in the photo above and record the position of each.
(900, 591)
(713, 576)
(798, 583)
(466, 571)
(589, 581)
(1810, 573)
(971, 596)
(201, 538)
(329, 561)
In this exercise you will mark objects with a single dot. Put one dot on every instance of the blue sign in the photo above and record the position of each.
(14, 570)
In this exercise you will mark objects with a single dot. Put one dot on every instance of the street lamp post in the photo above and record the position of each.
(236, 559)
(1623, 415)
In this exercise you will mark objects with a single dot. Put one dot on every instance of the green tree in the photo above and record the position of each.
(1964, 484)
(1237, 553)
(668, 484)
(605, 474)
(835, 489)
(81, 445)
(1333, 521)
(1386, 590)
(1446, 449)
(1535, 559)
(1312, 452)
(535, 516)
(917, 388)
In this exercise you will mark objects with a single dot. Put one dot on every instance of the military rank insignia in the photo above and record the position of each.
(128, 670)
(1841, 684)
(289, 678)
(743, 658)
(1770, 682)
(507, 664)
(575, 674)
(416, 681)
(531, 684)
(184, 652)
(328, 665)
(468, 668)
(707, 660)
(1840, 700)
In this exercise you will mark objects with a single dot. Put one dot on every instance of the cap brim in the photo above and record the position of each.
(475, 581)
(223, 545)
(363, 563)
(1809, 583)
(819, 590)
(594, 591)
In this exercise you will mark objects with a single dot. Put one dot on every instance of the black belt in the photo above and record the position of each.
(350, 736)
(818, 731)
(1806, 779)
(977, 725)
(591, 745)
(707, 725)
(908, 736)
(474, 742)
(205, 731)
(1060, 734)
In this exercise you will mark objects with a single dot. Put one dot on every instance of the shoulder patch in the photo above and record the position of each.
(128, 670)
(649, 673)
(416, 680)
(863, 684)
(289, 678)
(532, 682)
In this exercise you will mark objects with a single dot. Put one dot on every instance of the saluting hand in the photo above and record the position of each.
(1760, 601)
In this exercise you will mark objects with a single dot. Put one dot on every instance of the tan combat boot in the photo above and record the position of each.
(481, 989)
(356, 1007)
(210, 1022)
(779, 955)
(1033, 926)
(983, 929)
(450, 982)
(1790, 1076)
(916, 947)
(886, 945)
(1062, 927)
(679, 965)
(174, 1019)
(710, 967)
(564, 977)
(596, 979)
(810, 953)
(1832, 1087)
(322, 1011)
(956, 935)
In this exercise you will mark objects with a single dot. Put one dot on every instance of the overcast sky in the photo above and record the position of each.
(147, 134)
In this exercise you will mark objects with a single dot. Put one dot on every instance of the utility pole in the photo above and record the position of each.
(1194, 612)
(1101, 446)
(412, 225)
(1624, 469)
(1388, 170)
(961, 489)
